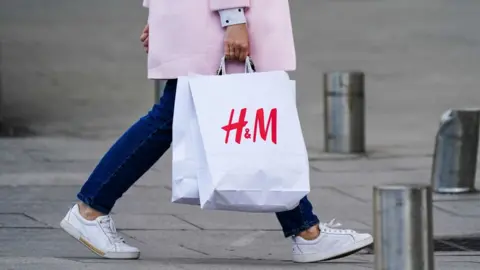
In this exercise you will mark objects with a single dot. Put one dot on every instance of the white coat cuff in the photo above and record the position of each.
(232, 16)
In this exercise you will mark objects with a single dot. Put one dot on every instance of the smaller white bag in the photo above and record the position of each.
(184, 162)
(187, 146)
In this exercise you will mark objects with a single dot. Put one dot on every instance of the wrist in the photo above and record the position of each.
(236, 25)
(233, 16)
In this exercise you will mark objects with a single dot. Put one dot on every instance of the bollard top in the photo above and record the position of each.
(466, 109)
(402, 187)
(344, 83)
(448, 114)
(338, 72)
(466, 114)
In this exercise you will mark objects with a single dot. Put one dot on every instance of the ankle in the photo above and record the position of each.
(88, 213)
(311, 233)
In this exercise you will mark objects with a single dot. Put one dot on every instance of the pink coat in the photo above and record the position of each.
(186, 36)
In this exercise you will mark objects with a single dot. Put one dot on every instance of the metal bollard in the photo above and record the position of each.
(1, 85)
(455, 156)
(344, 112)
(403, 237)
(159, 86)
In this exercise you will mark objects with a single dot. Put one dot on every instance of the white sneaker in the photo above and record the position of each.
(99, 235)
(330, 244)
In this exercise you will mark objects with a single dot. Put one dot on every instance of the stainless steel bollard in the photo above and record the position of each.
(1, 85)
(159, 86)
(403, 237)
(344, 112)
(455, 156)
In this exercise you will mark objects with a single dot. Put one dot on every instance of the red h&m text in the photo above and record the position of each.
(261, 128)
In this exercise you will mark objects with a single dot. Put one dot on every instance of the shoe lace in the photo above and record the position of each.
(109, 228)
(332, 227)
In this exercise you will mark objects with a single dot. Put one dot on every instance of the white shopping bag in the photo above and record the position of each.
(253, 156)
(184, 159)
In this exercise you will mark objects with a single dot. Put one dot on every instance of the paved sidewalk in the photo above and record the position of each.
(77, 83)
(41, 176)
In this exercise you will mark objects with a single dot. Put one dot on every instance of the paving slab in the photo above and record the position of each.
(220, 264)
(374, 165)
(20, 220)
(56, 243)
(321, 180)
(126, 221)
(466, 209)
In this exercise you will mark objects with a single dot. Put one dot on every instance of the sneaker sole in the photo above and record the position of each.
(307, 258)
(67, 227)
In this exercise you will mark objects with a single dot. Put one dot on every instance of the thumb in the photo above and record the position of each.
(226, 49)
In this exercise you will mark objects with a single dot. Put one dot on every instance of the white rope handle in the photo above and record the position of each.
(249, 66)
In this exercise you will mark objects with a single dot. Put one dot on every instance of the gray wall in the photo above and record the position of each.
(76, 68)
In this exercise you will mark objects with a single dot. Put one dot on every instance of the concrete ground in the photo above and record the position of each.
(73, 79)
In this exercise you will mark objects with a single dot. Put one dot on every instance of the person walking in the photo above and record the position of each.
(184, 36)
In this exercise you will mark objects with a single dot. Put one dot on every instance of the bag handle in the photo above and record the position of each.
(249, 66)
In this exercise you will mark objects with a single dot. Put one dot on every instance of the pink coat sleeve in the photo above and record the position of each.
(146, 3)
(226, 4)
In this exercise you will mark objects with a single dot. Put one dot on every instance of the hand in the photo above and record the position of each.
(236, 43)
(144, 37)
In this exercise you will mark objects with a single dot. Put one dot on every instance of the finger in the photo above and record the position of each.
(244, 53)
(144, 33)
(237, 50)
(231, 52)
(145, 42)
(243, 56)
(226, 49)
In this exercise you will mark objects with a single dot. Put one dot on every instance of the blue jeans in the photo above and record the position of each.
(139, 149)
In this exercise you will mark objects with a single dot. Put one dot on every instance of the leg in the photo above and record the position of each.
(131, 156)
(126, 161)
(314, 241)
(298, 220)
